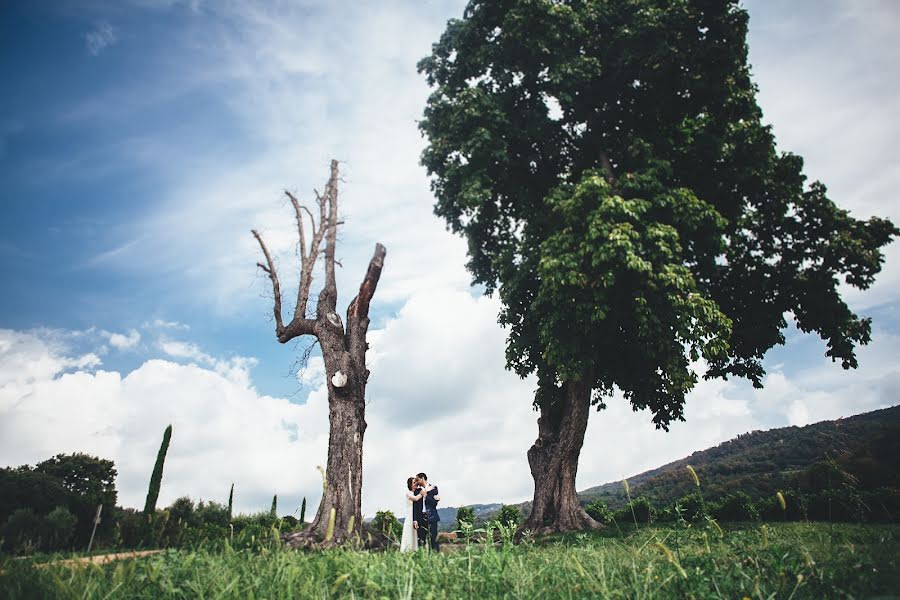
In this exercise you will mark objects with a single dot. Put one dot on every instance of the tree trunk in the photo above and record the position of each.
(554, 463)
(344, 355)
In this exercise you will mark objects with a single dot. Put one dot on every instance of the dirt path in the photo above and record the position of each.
(98, 559)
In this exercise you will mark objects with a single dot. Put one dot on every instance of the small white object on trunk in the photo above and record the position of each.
(339, 380)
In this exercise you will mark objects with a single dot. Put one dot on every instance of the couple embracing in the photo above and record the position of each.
(421, 522)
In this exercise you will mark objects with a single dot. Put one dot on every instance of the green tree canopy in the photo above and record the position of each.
(610, 168)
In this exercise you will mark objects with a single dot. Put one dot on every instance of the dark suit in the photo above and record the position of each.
(433, 517)
(420, 518)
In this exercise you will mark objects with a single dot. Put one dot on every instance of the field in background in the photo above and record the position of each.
(794, 560)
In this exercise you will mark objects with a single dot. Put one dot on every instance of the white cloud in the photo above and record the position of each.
(224, 431)
(125, 341)
(100, 37)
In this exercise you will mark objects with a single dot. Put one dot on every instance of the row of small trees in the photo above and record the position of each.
(54, 506)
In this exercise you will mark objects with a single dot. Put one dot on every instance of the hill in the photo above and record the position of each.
(859, 452)
(862, 450)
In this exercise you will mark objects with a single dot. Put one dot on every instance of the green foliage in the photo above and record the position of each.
(387, 523)
(599, 511)
(798, 561)
(691, 507)
(156, 477)
(24, 487)
(465, 517)
(26, 531)
(737, 506)
(230, 501)
(274, 510)
(509, 516)
(303, 510)
(650, 220)
(214, 513)
(59, 525)
(78, 482)
(857, 453)
(639, 510)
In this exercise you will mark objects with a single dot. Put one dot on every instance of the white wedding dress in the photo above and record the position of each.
(409, 542)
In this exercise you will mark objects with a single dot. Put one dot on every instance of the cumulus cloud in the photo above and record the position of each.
(224, 431)
(100, 37)
(125, 341)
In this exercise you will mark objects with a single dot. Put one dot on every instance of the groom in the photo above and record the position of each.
(429, 523)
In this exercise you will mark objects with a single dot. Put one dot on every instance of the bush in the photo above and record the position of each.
(22, 531)
(213, 513)
(465, 517)
(509, 516)
(599, 511)
(643, 511)
(692, 507)
(130, 525)
(735, 507)
(60, 528)
(387, 523)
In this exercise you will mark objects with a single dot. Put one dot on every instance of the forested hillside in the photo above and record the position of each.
(859, 451)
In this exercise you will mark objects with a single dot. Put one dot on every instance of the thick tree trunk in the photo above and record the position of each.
(344, 354)
(554, 463)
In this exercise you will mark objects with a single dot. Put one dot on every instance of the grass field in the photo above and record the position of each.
(794, 560)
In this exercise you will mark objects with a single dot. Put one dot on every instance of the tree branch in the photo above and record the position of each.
(299, 226)
(358, 311)
(276, 286)
(607, 167)
(331, 236)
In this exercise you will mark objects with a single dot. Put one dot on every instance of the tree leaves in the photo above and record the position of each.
(645, 221)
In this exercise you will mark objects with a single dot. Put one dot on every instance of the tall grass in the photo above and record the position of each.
(795, 560)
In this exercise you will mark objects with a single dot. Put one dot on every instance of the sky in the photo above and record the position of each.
(141, 140)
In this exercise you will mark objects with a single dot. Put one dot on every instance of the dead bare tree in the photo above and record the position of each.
(344, 354)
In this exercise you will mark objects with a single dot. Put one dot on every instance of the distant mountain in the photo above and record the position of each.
(864, 447)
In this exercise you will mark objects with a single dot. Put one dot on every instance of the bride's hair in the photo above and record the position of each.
(409, 483)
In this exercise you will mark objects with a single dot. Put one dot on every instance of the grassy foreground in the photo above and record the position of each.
(774, 561)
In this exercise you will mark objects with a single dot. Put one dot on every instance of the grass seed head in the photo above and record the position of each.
(329, 533)
(694, 475)
(780, 497)
(625, 484)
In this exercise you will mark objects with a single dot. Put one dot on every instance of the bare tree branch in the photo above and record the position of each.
(358, 311)
(276, 286)
(331, 236)
(296, 204)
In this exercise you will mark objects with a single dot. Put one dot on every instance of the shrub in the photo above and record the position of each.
(509, 516)
(692, 507)
(465, 515)
(735, 507)
(599, 511)
(213, 513)
(22, 531)
(59, 527)
(387, 523)
(643, 511)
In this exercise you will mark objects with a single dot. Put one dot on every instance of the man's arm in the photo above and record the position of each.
(437, 494)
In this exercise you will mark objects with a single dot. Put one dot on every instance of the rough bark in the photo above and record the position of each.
(344, 355)
(553, 459)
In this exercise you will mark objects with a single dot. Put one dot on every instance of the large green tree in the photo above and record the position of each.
(608, 163)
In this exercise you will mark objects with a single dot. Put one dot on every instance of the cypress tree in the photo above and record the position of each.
(274, 509)
(230, 500)
(303, 510)
(156, 477)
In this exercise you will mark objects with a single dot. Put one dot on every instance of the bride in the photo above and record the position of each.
(409, 542)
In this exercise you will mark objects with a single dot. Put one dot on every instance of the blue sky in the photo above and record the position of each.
(139, 143)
